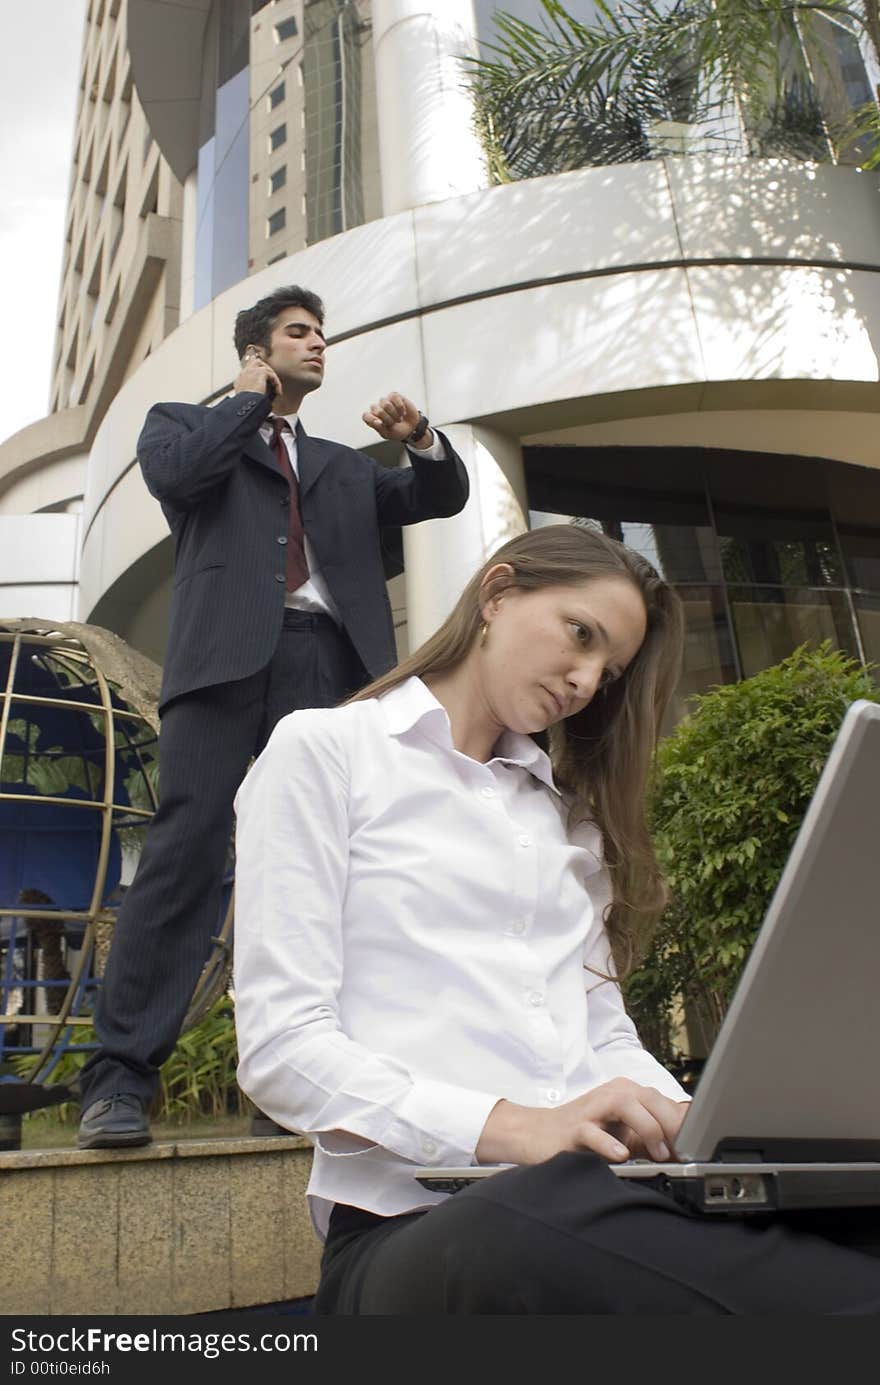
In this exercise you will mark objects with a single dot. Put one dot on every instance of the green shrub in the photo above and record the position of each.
(733, 783)
(198, 1079)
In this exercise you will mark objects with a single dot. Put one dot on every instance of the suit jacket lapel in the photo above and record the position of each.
(261, 452)
(310, 460)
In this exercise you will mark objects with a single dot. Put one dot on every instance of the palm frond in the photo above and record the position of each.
(560, 93)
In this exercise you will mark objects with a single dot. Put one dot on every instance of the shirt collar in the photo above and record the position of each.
(412, 704)
(290, 419)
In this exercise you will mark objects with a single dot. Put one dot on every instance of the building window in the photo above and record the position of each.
(276, 96)
(277, 221)
(278, 137)
(285, 30)
(277, 179)
(766, 553)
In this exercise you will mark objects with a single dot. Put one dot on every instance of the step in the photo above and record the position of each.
(176, 1227)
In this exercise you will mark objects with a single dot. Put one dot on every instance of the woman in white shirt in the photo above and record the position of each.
(430, 913)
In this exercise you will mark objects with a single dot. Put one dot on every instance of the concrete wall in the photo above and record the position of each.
(189, 1227)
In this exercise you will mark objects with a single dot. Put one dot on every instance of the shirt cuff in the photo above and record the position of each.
(438, 1123)
(436, 452)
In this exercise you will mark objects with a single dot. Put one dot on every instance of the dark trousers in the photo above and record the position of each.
(170, 912)
(568, 1236)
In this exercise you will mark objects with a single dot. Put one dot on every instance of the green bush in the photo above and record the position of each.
(733, 783)
(198, 1079)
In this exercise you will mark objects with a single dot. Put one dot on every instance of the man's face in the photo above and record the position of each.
(296, 349)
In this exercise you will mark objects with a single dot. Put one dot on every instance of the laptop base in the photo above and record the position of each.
(719, 1188)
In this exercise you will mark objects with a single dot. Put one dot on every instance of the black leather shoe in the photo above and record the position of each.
(116, 1122)
(261, 1124)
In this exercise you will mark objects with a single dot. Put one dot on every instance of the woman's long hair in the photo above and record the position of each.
(602, 756)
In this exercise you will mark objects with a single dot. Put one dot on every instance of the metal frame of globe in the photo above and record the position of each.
(215, 974)
(67, 652)
(214, 978)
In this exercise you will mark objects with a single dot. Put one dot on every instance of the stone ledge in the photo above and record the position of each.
(159, 1149)
(187, 1226)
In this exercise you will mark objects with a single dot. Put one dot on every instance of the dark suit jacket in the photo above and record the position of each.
(226, 501)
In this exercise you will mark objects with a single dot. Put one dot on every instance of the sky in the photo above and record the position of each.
(41, 43)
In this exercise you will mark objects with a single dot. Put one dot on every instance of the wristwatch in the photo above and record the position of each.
(418, 432)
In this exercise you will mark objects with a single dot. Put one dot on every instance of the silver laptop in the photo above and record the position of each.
(787, 1110)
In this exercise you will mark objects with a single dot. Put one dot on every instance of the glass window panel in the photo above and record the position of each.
(708, 649)
(276, 96)
(861, 553)
(768, 547)
(868, 616)
(770, 623)
(277, 221)
(285, 30)
(651, 498)
(231, 175)
(278, 179)
(278, 136)
(679, 552)
(233, 38)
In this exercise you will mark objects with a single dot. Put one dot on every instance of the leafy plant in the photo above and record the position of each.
(648, 77)
(733, 783)
(198, 1078)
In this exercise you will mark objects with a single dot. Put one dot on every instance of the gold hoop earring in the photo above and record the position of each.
(484, 633)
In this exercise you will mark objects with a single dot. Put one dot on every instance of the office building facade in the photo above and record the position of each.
(684, 350)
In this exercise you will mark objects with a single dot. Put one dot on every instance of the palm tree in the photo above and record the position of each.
(650, 77)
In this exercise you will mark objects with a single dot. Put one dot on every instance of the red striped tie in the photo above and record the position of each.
(297, 568)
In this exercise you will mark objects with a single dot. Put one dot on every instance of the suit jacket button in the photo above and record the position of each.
(281, 539)
(279, 576)
(285, 499)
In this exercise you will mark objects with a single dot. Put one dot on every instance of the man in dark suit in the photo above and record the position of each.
(279, 603)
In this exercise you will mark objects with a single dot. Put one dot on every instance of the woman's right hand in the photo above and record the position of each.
(618, 1120)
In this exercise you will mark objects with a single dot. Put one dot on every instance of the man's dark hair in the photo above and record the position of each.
(254, 325)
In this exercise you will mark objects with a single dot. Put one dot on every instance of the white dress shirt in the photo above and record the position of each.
(314, 594)
(413, 930)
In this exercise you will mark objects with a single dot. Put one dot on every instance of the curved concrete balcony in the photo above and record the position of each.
(38, 562)
(633, 301)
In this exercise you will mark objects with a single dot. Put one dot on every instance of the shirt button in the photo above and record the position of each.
(282, 538)
(487, 792)
(518, 926)
(429, 1147)
(553, 1094)
(525, 841)
(536, 998)
(285, 500)
(279, 576)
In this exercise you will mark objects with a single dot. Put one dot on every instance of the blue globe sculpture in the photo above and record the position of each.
(78, 785)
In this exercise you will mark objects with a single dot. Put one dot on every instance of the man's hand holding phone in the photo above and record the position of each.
(255, 375)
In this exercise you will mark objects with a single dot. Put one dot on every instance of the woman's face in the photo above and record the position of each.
(548, 652)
